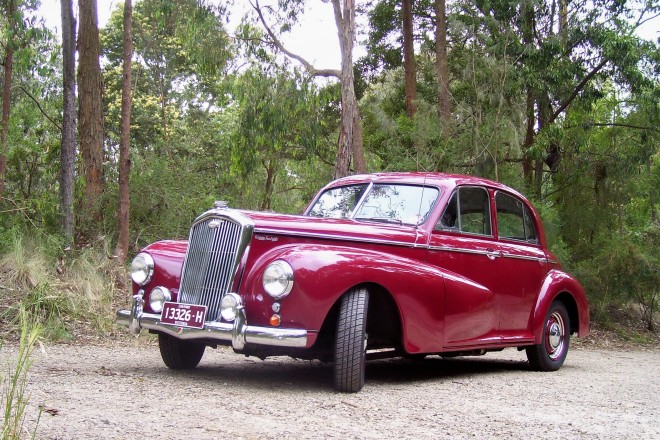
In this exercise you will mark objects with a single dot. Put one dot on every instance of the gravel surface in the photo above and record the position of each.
(125, 392)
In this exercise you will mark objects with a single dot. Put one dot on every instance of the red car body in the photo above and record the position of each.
(432, 286)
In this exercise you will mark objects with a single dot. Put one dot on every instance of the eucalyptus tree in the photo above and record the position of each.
(121, 250)
(20, 30)
(279, 116)
(68, 147)
(350, 150)
(181, 52)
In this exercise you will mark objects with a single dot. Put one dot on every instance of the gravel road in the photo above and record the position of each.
(125, 392)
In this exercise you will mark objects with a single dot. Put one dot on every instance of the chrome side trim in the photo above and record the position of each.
(524, 257)
(489, 253)
(238, 332)
(337, 237)
(461, 250)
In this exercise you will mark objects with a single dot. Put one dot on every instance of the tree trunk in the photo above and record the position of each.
(528, 166)
(442, 67)
(90, 110)
(409, 58)
(121, 251)
(350, 131)
(527, 162)
(6, 96)
(270, 185)
(68, 151)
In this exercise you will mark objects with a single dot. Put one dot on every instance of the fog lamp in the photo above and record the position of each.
(159, 296)
(229, 306)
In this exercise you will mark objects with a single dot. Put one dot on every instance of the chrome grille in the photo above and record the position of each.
(214, 251)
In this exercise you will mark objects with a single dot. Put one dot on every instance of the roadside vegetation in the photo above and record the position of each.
(14, 381)
(561, 103)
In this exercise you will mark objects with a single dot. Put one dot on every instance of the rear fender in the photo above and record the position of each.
(560, 285)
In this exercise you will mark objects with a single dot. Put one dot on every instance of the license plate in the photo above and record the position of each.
(183, 315)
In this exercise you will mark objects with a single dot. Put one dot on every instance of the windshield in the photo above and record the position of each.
(389, 203)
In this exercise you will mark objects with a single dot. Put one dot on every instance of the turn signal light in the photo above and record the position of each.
(275, 320)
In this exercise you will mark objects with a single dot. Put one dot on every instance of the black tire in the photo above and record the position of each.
(550, 354)
(178, 354)
(351, 341)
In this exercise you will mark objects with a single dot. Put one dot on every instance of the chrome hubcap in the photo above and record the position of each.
(555, 331)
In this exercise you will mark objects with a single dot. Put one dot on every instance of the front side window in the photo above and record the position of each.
(468, 211)
(388, 203)
(514, 221)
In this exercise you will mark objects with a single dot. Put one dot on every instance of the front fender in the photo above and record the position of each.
(558, 284)
(322, 274)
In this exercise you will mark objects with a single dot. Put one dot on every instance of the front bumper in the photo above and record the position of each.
(238, 332)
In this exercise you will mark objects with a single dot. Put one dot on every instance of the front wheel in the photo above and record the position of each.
(550, 354)
(178, 354)
(351, 341)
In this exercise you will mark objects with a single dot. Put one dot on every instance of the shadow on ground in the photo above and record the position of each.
(284, 373)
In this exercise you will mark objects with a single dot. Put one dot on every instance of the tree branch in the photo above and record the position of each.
(310, 68)
(43, 112)
(614, 124)
(577, 90)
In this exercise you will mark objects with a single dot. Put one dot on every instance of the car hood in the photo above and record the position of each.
(266, 223)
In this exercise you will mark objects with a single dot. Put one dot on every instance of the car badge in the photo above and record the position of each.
(215, 224)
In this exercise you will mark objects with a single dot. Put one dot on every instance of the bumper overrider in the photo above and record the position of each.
(238, 332)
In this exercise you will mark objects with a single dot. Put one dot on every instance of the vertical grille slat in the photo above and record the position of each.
(214, 252)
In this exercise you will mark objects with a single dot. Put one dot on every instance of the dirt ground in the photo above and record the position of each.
(124, 391)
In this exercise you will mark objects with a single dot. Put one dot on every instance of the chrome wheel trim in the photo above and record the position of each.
(555, 336)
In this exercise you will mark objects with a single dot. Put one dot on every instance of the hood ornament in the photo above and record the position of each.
(220, 204)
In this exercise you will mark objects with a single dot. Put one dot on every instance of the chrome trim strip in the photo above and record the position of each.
(238, 332)
(337, 237)
(490, 254)
(461, 250)
(524, 257)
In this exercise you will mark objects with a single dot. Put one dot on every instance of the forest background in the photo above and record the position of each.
(558, 99)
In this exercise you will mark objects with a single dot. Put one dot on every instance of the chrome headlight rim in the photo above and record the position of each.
(277, 279)
(158, 297)
(229, 306)
(142, 269)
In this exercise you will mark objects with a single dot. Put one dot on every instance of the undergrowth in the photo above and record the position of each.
(67, 293)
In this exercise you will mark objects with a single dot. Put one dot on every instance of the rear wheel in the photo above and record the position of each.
(351, 341)
(178, 354)
(550, 354)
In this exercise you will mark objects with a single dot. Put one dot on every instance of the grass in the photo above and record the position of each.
(66, 294)
(14, 383)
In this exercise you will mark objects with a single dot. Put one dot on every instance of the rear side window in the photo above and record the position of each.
(514, 221)
(468, 211)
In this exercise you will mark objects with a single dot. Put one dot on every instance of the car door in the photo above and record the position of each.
(463, 244)
(522, 266)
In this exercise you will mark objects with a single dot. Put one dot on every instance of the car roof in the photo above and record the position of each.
(444, 180)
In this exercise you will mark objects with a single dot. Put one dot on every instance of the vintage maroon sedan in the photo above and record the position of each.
(392, 264)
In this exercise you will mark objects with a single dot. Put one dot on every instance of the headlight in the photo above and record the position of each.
(142, 268)
(278, 279)
(229, 306)
(158, 297)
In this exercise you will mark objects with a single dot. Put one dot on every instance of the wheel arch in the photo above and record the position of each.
(561, 286)
(384, 322)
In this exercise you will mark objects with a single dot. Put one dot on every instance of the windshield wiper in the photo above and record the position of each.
(395, 221)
